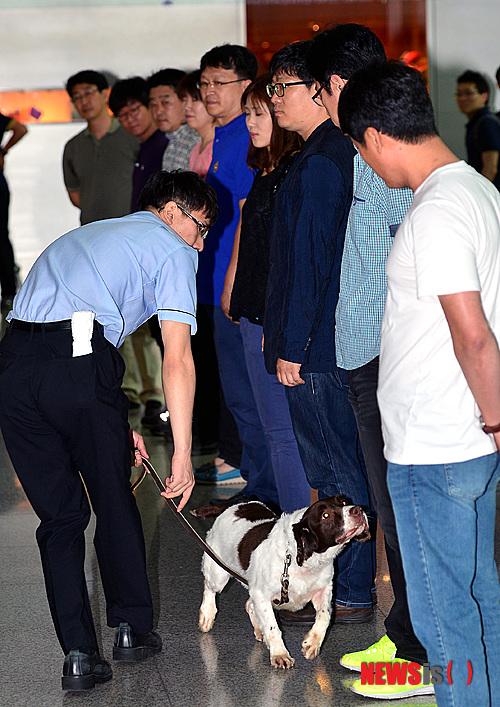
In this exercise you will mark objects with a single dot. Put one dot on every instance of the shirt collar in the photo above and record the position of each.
(115, 124)
(234, 126)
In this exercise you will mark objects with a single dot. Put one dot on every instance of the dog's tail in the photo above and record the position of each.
(208, 511)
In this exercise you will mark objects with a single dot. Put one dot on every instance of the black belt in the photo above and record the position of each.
(40, 326)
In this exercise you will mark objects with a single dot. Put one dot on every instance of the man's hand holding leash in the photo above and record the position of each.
(138, 448)
(181, 480)
(179, 384)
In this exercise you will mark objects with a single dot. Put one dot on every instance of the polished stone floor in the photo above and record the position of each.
(223, 668)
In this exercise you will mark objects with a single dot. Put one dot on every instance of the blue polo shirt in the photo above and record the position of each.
(231, 178)
(124, 270)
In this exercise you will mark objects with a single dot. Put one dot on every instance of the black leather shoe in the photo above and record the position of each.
(130, 646)
(82, 671)
(352, 614)
(303, 617)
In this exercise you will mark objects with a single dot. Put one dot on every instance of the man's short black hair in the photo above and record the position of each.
(232, 57)
(126, 91)
(165, 77)
(390, 97)
(479, 81)
(94, 78)
(187, 189)
(291, 60)
(497, 75)
(343, 50)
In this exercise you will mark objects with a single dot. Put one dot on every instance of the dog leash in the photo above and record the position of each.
(149, 469)
(285, 582)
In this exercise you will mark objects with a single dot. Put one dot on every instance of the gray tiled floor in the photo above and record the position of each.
(224, 668)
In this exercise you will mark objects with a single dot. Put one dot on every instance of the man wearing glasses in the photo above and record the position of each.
(225, 73)
(128, 102)
(63, 414)
(482, 137)
(307, 238)
(375, 215)
(98, 162)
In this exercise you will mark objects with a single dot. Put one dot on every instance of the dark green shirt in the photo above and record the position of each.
(101, 170)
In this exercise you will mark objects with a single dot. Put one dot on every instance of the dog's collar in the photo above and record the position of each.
(285, 581)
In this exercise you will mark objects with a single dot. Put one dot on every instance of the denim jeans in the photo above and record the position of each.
(445, 517)
(327, 437)
(256, 467)
(363, 398)
(293, 488)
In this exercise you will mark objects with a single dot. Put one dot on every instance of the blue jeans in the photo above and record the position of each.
(293, 488)
(445, 517)
(363, 398)
(256, 467)
(327, 437)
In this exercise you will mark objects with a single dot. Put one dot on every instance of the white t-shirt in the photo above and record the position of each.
(449, 242)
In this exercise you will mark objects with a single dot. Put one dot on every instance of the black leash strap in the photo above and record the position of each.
(149, 468)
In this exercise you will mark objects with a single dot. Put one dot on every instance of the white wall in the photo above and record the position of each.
(42, 47)
(40, 208)
(461, 34)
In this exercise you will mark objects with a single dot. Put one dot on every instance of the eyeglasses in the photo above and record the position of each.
(466, 94)
(318, 94)
(203, 85)
(84, 94)
(202, 227)
(279, 88)
(130, 113)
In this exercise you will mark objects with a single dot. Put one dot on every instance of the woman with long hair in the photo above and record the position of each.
(270, 154)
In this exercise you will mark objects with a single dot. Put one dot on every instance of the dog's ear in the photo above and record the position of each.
(297, 533)
(340, 500)
(365, 535)
(306, 540)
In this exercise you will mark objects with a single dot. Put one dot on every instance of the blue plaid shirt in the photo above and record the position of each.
(374, 218)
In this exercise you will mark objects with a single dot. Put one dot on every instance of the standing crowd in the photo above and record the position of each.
(239, 228)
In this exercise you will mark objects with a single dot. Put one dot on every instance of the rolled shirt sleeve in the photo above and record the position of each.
(175, 291)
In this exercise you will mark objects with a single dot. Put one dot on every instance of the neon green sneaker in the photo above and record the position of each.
(381, 652)
(391, 692)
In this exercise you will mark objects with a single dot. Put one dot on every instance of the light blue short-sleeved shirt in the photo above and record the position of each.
(124, 270)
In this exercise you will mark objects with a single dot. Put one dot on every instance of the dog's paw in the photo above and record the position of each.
(257, 631)
(205, 621)
(282, 660)
(311, 645)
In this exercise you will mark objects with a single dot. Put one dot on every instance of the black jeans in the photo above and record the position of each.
(213, 417)
(62, 417)
(363, 398)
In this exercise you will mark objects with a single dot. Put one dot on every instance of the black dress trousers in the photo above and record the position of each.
(64, 422)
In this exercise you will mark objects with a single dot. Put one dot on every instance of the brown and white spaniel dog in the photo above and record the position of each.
(252, 540)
